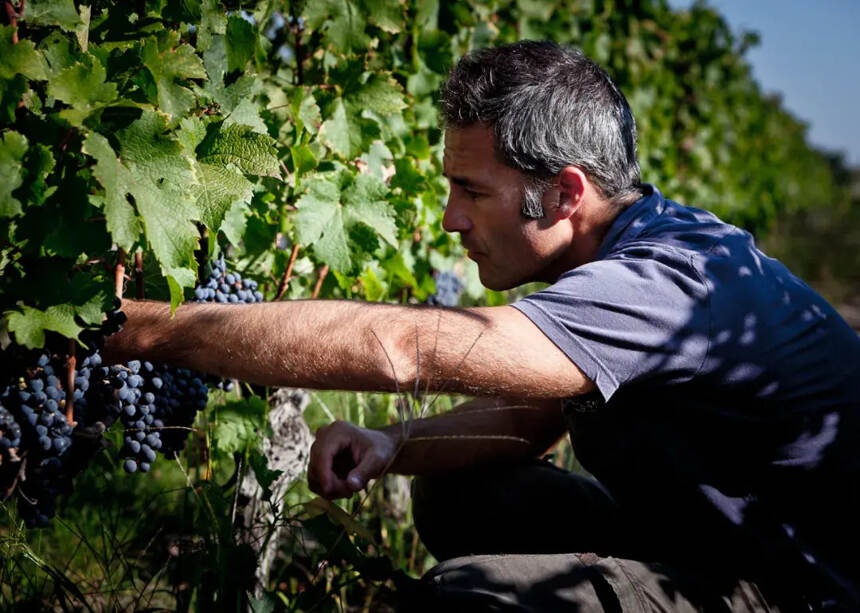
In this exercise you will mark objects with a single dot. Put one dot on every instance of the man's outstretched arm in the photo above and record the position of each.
(351, 345)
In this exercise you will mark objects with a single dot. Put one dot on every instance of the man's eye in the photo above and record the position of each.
(470, 193)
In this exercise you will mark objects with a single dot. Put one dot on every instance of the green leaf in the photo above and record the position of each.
(303, 158)
(21, 58)
(38, 164)
(265, 476)
(82, 85)
(242, 90)
(122, 221)
(233, 225)
(319, 222)
(343, 24)
(191, 133)
(241, 41)
(58, 51)
(380, 94)
(213, 21)
(387, 15)
(189, 11)
(220, 188)
(340, 133)
(306, 113)
(247, 113)
(239, 424)
(249, 151)
(365, 202)
(374, 290)
(29, 324)
(52, 13)
(169, 61)
(163, 188)
(13, 146)
(10, 95)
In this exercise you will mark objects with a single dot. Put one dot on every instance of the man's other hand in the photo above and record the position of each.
(345, 457)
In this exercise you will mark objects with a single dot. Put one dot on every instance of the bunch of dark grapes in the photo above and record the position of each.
(35, 403)
(10, 440)
(448, 290)
(141, 437)
(227, 287)
(177, 395)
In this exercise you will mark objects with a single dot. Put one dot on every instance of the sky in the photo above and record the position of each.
(810, 53)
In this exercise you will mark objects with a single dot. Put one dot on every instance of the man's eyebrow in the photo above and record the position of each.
(463, 181)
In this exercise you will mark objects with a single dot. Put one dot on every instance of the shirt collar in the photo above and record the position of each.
(633, 219)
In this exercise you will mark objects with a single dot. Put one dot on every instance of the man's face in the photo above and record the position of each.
(484, 206)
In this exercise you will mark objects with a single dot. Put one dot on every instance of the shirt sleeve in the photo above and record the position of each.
(640, 315)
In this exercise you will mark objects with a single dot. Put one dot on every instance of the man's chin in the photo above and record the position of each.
(494, 283)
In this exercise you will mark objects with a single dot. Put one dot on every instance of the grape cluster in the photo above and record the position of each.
(179, 394)
(448, 290)
(41, 452)
(35, 431)
(226, 287)
(141, 437)
(10, 436)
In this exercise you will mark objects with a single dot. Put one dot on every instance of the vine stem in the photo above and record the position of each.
(285, 280)
(71, 364)
(138, 274)
(318, 286)
(119, 273)
(13, 18)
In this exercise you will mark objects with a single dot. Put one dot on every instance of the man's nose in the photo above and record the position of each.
(455, 218)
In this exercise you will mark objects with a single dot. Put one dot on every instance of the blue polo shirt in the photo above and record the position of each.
(728, 418)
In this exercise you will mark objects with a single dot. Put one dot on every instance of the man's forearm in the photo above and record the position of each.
(315, 344)
(481, 431)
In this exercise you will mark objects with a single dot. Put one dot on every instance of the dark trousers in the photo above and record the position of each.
(530, 537)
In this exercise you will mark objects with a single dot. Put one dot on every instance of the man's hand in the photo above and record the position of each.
(345, 457)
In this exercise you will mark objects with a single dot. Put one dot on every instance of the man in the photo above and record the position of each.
(713, 394)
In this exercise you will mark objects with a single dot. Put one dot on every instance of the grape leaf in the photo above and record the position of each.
(306, 113)
(10, 95)
(220, 188)
(341, 133)
(122, 221)
(13, 146)
(169, 61)
(38, 164)
(244, 88)
(252, 153)
(29, 324)
(22, 58)
(385, 14)
(365, 202)
(213, 21)
(342, 22)
(82, 85)
(233, 224)
(247, 113)
(241, 40)
(239, 423)
(380, 93)
(319, 222)
(58, 51)
(163, 189)
(52, 13)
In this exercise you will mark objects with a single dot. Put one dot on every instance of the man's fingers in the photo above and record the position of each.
(370, 467)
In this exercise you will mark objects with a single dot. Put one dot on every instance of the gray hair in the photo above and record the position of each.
(549, 107)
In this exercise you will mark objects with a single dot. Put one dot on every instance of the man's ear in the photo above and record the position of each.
(571, 191)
